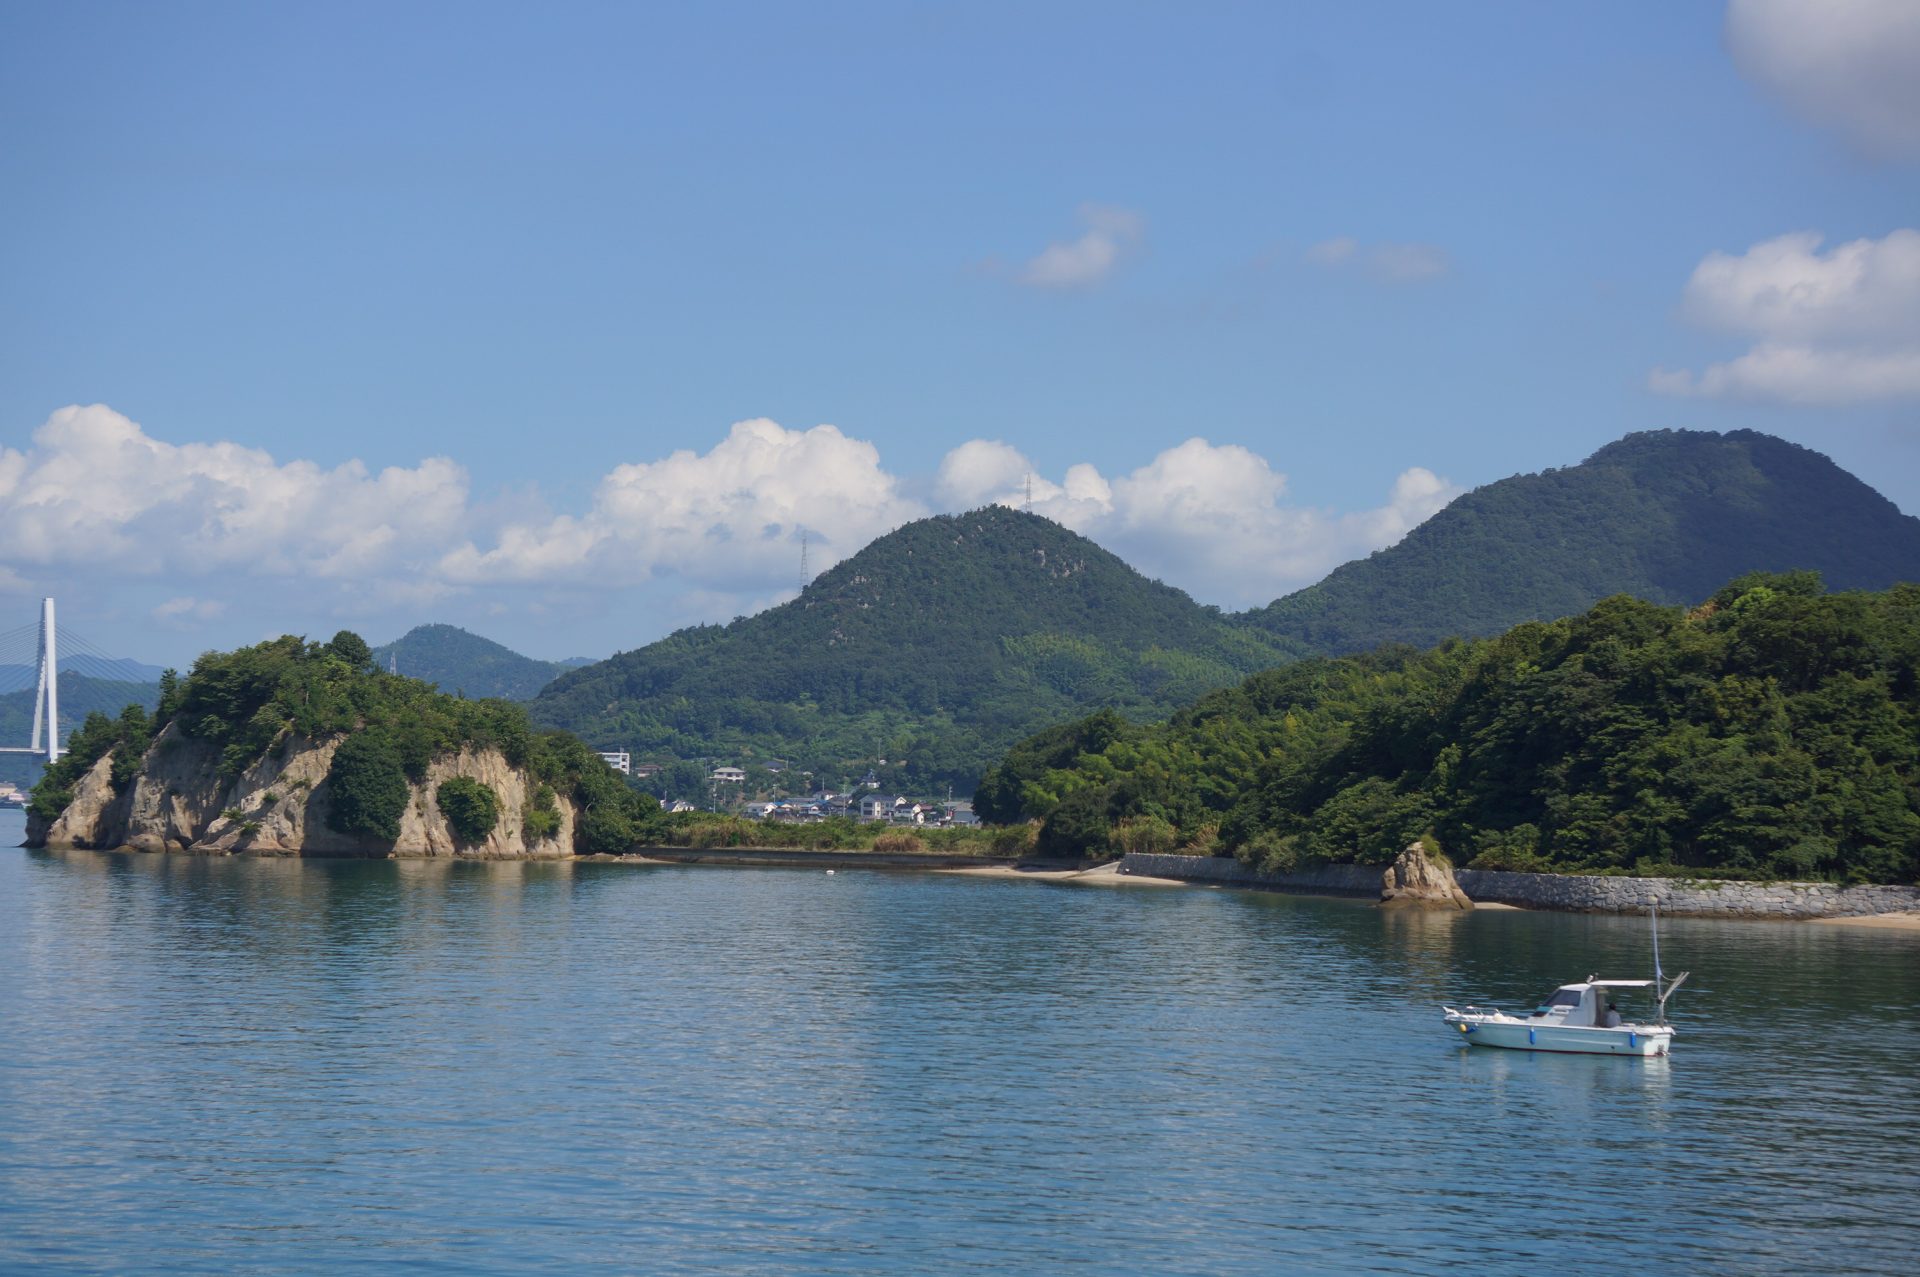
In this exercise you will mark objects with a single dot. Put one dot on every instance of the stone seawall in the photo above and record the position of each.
(1569, 892)
(1681, 896)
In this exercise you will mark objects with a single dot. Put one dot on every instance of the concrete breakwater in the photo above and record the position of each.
(1571, 892)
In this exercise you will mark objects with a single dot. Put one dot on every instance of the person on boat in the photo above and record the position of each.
(1612, 1020)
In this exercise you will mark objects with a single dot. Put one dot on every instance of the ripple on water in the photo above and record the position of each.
(282, 1066)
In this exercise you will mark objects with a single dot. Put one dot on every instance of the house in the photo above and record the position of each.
(729, 775)
(647, 771)
(679, 805)
(618, 759)
(759, 811)
(878, 806)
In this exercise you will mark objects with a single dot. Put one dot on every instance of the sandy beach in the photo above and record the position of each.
(1881, 921)
(1107, 875)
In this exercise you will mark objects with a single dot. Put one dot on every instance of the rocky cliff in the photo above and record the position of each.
(179, 801)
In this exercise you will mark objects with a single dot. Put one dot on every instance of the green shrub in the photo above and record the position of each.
(898, 840)
(232, 813)
(471, 807)
(367, 786)
(543, 815)
(1272, 853)
(1146, 835)
(269, 798)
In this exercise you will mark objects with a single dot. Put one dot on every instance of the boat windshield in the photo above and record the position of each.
(1561, 998)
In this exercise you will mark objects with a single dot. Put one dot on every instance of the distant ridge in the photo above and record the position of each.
(933, 648)
(1667, 515)
(458, 661)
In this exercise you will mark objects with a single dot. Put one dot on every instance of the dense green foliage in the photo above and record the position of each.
(125, 737)
(1772, 732)
(1665, 515)
(367, 787)
(247, 702)
(935, 648)
(470, 806)
(467, 664)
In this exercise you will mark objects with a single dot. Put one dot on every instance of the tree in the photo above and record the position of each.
(367, 788)
(470, 806)
(352, 649)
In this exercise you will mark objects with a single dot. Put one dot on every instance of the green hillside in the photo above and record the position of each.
(79, 697)
(248, 702)
(934, 648)
(1665, 515)
(1773, 731)
(457, 661)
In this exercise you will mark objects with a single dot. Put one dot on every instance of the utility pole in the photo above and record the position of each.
(803, 560)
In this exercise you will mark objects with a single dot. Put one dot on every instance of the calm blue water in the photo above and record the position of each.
(288, 1066)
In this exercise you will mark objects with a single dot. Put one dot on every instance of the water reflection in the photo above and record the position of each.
(282, 1065)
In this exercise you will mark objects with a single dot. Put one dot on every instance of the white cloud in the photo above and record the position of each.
(94, 488)
(1832, 328)
(731, 517)
(1389, 263)
(1111, 234)
(185, 609)
(225, 537)
(1850, 65)
(1212, 519)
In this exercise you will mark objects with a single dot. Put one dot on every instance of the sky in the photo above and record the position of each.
(567, 324)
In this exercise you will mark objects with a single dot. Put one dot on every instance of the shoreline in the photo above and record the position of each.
(1115, 873)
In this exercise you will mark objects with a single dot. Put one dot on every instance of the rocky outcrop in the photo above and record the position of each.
(1418, 880)
(278, 807)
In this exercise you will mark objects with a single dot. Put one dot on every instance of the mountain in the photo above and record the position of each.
(934, 647)
(1772, 732)
(1665, 515)
(461, 662)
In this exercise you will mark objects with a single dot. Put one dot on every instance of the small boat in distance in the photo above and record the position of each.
(1581, 1018)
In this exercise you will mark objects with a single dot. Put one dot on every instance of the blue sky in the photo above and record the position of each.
(1370, 255)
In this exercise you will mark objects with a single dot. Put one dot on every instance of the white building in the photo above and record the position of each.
(729, 775)
(618, 759)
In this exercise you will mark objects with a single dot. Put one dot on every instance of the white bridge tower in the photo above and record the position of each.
(46, 698)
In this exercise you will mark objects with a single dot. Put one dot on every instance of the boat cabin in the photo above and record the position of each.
(1584, 1005)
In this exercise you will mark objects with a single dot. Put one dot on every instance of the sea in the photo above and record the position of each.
(302, 1066)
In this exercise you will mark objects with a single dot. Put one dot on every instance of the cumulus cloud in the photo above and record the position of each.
(191, 530)
(1831, 328)
(731, 517)
(186, 609)
(1849, 65)
(1213, 519)
(1389, 263)
(95, 488)
(1110, 235)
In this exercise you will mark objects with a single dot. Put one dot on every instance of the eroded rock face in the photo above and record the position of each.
(279, 805)
(1416, 879)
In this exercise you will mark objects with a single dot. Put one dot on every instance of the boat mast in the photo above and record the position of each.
(1662, 990)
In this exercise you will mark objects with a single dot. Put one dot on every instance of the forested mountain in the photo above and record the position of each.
(1773, 731)
(934, 648)
(1666, 515)
(457, 661)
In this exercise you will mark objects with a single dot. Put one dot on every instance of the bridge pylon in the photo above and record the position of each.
(46, 698)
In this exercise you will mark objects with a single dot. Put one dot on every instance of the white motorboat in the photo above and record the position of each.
(1579, 1017)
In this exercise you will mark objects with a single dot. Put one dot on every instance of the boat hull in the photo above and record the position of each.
(1519, 1035)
